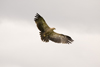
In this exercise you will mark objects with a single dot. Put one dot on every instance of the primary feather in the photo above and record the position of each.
(47, 33)
(41, 24)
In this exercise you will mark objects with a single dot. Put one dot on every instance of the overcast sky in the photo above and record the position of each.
(20, 42)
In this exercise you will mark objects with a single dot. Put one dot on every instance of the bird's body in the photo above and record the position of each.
(47, 33)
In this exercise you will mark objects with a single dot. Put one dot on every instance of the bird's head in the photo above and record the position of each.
(53, 28)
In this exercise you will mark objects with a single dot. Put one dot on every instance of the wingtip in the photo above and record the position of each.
(70, 40)
(36, 16)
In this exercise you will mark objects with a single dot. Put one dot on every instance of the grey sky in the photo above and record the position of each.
(73, 13)
(20, 43)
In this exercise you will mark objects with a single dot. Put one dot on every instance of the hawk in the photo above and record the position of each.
(48, 33)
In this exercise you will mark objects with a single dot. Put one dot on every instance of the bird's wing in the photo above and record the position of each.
(60, 38)
(41, 24)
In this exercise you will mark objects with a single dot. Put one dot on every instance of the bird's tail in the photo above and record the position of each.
(44, 37)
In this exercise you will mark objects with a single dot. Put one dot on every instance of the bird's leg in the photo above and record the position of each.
(47, 32)
(44, 34)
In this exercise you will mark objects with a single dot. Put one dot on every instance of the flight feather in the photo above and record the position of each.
(47, 33)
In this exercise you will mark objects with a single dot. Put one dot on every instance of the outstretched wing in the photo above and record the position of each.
(60, 38)
(41, 24)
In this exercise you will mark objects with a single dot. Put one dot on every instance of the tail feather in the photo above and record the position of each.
(44, 38)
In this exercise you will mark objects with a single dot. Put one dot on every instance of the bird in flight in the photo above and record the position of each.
(47, 33)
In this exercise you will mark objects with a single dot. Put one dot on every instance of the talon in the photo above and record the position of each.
(44, 35)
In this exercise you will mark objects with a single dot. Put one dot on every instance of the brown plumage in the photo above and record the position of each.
(47, 33)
